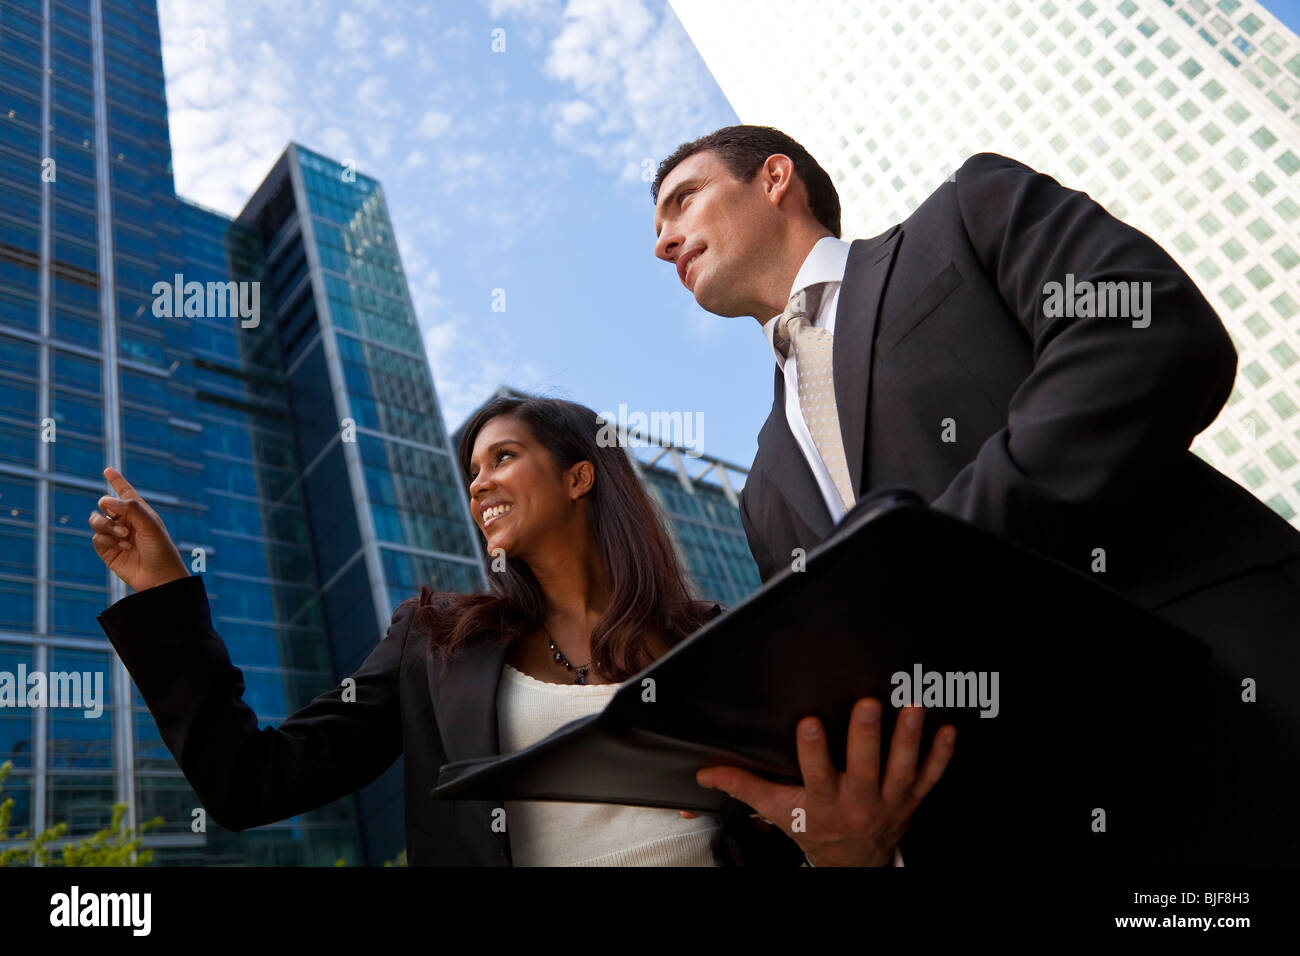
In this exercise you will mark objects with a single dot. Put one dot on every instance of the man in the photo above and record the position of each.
(975, 356)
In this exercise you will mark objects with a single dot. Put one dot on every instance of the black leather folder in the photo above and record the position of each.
(1090, 755)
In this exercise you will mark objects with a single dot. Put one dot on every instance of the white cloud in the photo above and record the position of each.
(576, 112)
(393, 45)
(231, 103)
(433, 124)
(466, 372)
(336, 142)
(373, 96)
(531, 9)
(457, 34)
(351, 32)
(637, 75)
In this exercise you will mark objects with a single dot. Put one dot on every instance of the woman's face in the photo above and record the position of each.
(518, 496)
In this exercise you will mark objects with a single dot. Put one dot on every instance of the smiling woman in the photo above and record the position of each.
(584, 579)
(585, 591)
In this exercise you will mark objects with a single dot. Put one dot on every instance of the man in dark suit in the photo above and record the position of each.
(977, 357)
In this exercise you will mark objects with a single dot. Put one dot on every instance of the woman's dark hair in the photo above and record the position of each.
(744, 150)
(650, 590)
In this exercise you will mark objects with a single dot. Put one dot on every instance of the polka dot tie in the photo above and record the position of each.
(812, 356)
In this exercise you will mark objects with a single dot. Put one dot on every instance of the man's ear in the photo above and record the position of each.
(778, 177)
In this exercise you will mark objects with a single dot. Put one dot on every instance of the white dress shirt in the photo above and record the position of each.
(826, 262)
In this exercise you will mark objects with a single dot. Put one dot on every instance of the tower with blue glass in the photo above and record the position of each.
(298, 458)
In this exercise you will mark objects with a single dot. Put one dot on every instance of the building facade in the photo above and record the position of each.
(283, 422)
(1181, 117)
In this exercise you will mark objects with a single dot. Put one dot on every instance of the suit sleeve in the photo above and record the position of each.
(766, 566)
(1108, 407)
(246, 777)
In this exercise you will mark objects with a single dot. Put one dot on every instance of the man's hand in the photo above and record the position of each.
(852, 818)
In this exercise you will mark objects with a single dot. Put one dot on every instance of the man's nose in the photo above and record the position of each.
(667, 246)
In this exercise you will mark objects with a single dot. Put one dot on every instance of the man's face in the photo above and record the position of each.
(716, 230)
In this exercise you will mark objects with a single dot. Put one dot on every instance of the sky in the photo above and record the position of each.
(525, 170)
(515, 141)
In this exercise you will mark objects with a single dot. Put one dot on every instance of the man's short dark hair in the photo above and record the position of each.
(744, 149)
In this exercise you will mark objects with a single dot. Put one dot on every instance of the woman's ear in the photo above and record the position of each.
(582, 478)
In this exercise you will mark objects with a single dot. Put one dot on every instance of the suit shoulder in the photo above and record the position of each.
(404, 617)
(990, 162)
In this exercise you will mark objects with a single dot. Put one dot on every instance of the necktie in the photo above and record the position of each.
(812, 354)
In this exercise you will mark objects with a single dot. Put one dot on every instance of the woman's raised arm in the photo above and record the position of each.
(244, 776)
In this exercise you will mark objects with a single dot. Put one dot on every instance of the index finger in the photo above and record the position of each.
(119, 483)
(819, 774)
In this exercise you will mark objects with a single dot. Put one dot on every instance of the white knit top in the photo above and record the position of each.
(551, 833)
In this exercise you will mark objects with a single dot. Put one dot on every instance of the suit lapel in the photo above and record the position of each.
(781, 462)
(779, 458)
(856, 317)
(465, 702)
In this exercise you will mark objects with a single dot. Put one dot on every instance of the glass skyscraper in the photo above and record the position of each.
(697, 493)
(295, 450)
(1181, 117)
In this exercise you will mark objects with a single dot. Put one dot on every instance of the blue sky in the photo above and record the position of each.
(519, 170)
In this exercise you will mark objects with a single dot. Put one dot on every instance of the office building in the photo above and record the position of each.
(1181, 117)
(283, 422)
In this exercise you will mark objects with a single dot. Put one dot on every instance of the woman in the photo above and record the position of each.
(585, 592)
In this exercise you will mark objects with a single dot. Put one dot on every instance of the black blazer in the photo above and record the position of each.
(1071, 434)
(246, 777)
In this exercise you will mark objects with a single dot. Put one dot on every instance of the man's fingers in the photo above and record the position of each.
(936, 762)
(862, 764)
(900, 770)
(819, 774)
(763, 796)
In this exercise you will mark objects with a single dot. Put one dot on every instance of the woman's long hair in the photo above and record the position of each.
(649, 587)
